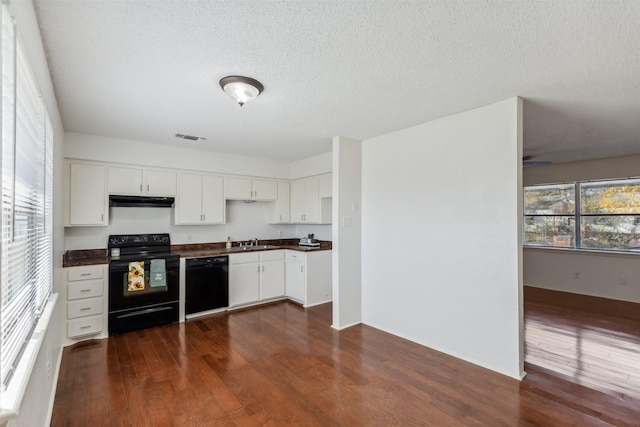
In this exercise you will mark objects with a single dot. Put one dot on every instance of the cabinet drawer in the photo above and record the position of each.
(84, 326)
(85, 273)
(271, 255)
(85, 307)
(85, 289)
(244, 258)
(296, 256)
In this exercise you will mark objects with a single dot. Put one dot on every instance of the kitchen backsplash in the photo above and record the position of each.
(244, 221)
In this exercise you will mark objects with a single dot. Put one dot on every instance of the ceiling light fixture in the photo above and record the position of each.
(242, 89)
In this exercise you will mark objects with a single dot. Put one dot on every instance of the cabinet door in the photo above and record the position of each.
(87, 195)
(311, 201)
(295, 280)
(265, 190)
(125, 180)
(188, 205)
(297, 201)
(244, 283)
(271, 279)
(237, 188)
(212, 200)
(282, 206)
(324, 186)
(160, 183)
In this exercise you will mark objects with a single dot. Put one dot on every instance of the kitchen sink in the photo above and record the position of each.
(252, 248)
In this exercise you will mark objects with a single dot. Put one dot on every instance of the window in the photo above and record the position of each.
(549, 215)
(603, 215)
(610, 214)
(26, 238)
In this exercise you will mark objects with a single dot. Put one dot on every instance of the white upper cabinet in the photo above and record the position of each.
(160, 182)
(199, 200)
(305, 203)
(141, 181)
(124, 181)
(324, 186)
(282, 207)
(250, 189)
(86, 198)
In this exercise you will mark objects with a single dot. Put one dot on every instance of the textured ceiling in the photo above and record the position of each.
(147, 70)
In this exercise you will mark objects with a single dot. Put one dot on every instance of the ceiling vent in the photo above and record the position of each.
(190, 137)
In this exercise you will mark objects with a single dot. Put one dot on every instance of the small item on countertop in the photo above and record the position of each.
(308, 242)
(229, 244)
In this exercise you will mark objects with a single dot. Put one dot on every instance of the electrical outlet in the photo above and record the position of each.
(577, 275)
(189, 237)
(623, 281)
(48, 370)
(279, 233)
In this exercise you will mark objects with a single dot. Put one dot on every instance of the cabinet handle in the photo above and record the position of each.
(140, 187)
(85, 290)
(85, 308)
(280, 217)
(101, 217)
(85, 327)
(301, 269)
(85, 274)
(147, 187)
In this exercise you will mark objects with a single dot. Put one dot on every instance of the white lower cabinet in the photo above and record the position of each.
(295, 277)
(308, 277)
(244, 278)
(86, 303)
(255, 276)
(271, 275)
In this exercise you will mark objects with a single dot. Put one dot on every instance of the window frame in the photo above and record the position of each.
(578, 217)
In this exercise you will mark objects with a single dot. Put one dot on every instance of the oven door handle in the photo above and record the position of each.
(145, 311)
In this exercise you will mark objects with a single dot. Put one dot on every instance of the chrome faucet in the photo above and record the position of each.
(254, 242)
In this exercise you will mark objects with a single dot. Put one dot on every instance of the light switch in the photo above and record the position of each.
(346, 221)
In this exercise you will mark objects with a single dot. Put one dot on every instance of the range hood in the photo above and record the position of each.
(140, 201)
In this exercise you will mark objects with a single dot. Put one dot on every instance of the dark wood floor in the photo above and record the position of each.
(283, 365)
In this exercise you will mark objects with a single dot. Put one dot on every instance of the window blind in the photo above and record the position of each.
(26, 245)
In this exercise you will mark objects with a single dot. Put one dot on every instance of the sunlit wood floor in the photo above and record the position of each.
(283, 365)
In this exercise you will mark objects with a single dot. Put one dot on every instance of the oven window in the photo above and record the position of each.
(145, 277)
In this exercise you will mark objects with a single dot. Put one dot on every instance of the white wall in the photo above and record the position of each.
(347, 242)
(615, 167)
(441, 249)
(38, 400)
(316, 165)
(601, 274)
(244, 221)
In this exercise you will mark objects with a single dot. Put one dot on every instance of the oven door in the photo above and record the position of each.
(143, 282)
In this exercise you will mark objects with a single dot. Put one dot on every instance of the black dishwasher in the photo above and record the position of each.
(207, 284)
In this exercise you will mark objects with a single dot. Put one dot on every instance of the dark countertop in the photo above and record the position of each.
(78, 258)
(195, 253)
